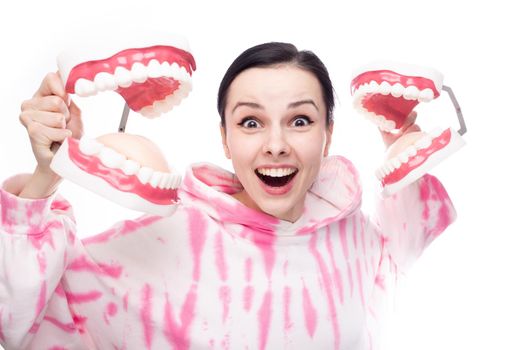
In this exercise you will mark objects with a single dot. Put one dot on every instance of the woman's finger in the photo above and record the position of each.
(50, 119)
(52, 85)
(46, 103)
(42, 133)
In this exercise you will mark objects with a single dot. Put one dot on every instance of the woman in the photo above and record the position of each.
(277, 255)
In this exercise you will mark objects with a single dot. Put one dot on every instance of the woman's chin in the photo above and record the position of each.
(281, 210)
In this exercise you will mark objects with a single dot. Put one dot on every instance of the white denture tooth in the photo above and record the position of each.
(426, 95)
(395, 162)
(175, 71)
(184, 88)
(411, 151)
(403, 157)
(184, 94)
(123, 77)
(144, 174)
(374, 86)
(155, 179)
(176, 181)
(411, 93)
(358, 95)
(173, 181)
(389, 125)
(188, 86)
(389, 167)
(89, 146)
(173, 99)
(111, 158)
(397, 90)
(379, 174)
(166, 70)
(105, 81)
(372, 118)
(385, 88)
(423, 142)
(130, 167)
(161, 107)
(182, 74)
(85, 88)
(139, 73)
(148, 111)
(156, 114)
(364, 89)
(163, 183)
(154, 70)
(165, 106)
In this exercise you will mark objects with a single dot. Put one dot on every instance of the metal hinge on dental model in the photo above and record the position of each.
(463, 126)
(124, 118)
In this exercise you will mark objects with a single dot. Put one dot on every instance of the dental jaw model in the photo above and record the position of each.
(127, 169)
(387, 93)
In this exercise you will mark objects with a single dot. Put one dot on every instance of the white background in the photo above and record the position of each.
(467, 290)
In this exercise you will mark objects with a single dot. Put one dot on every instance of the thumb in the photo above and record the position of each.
(75, 123)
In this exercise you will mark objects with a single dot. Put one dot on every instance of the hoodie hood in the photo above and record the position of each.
(335, 194)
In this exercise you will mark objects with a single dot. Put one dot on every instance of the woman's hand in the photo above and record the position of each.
(408, 127)
(49, 117)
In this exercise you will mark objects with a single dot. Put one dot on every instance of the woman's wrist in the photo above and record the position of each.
(42, 184)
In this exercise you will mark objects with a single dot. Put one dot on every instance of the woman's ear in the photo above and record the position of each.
(329, 132)
(224, 144)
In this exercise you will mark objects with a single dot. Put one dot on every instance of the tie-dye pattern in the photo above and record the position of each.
(215, 274)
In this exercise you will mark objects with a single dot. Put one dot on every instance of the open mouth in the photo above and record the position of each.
(276, 177)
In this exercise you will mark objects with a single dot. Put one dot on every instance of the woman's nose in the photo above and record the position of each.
(276, 143)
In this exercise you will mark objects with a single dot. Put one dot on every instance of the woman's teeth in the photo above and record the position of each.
(276, 172)
(276, 177)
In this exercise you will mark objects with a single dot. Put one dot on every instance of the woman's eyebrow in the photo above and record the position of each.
(249, 104)
(301, 102)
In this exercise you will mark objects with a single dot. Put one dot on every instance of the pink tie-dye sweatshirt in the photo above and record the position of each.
(215, 274)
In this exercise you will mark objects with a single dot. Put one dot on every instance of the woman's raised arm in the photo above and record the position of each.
(49, 117)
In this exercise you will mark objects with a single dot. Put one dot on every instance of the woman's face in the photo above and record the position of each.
(276, 137)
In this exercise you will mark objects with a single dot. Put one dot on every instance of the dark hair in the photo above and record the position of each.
(274, 53)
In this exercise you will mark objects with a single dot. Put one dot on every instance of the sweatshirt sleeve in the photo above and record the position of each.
(412, 218)
(34, 236)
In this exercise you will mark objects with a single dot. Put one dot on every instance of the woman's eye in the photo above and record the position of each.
(301, 121)
(249, 123)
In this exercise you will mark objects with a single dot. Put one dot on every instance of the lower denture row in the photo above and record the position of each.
(395, 162)
(165, 105)
(113, 159)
